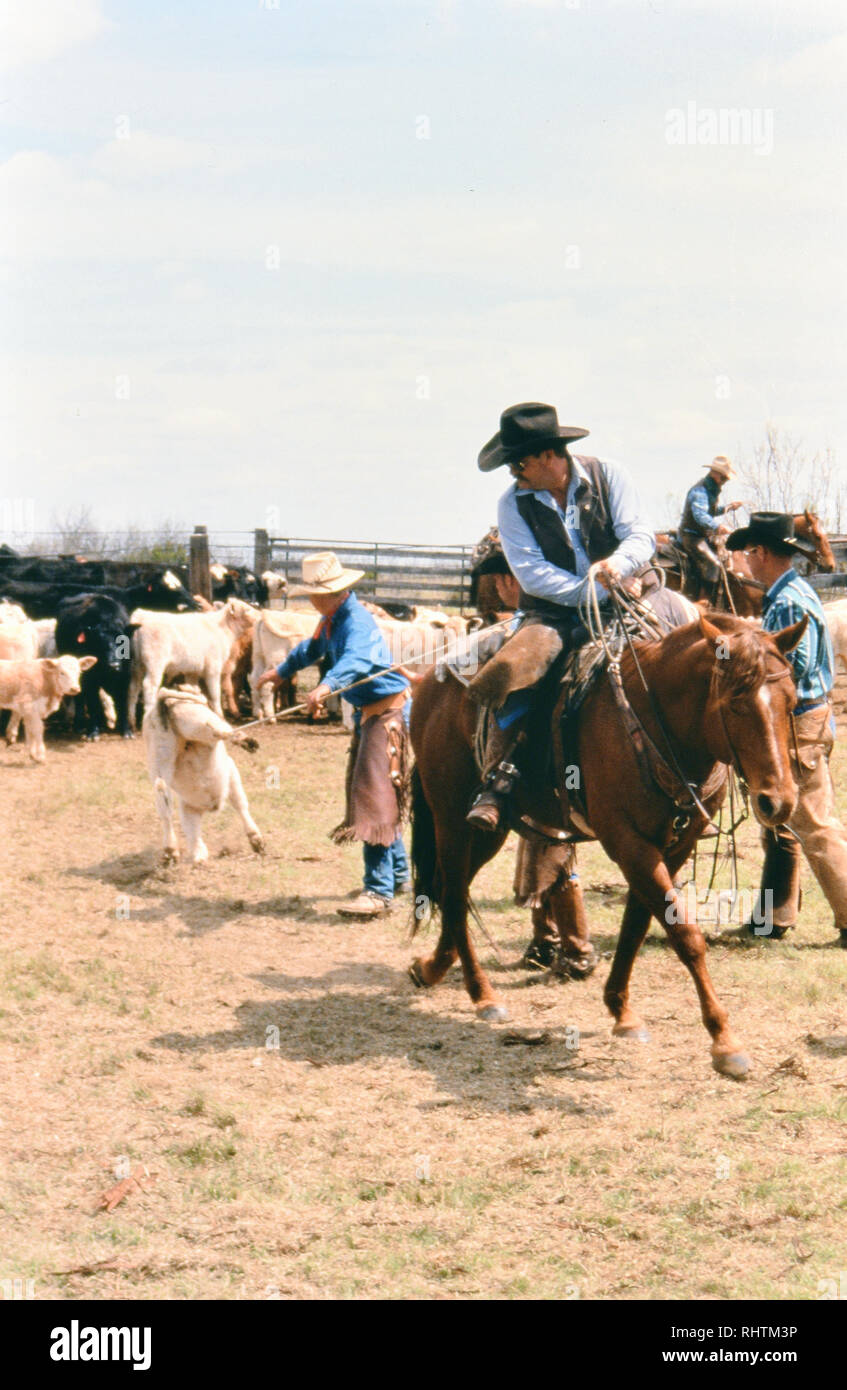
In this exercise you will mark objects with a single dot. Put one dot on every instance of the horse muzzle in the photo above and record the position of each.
(771, 808)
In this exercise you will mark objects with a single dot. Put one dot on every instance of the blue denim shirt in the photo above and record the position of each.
(785, 603)
(536, 575)
(356, 648)
(702, 498)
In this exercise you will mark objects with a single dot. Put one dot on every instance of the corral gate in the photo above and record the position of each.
(424, 574)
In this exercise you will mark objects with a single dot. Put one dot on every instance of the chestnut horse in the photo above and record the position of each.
(745, 591)
(723, 692)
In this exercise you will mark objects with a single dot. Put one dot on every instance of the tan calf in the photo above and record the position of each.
(33, 689)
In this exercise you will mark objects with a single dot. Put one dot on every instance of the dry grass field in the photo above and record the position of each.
(312, 1126)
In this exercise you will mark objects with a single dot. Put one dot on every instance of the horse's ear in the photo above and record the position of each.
(808, 515)
(788, 637)
(710, 632)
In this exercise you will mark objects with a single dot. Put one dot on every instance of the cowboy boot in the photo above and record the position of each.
(499, 775)
(778, 899)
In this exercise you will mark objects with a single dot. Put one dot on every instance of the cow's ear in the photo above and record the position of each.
(86, 662)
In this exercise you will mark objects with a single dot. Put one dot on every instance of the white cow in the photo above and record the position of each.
(274, 635)
(11, 612)
(836, 617)
(18, 642)
(188, 758)
(190, 646)
(33, 689)
(276, 585)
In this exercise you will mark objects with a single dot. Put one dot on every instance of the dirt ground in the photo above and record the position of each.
(304, 1123)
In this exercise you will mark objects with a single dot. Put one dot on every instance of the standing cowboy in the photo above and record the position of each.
(700, 527)
(349, 637)
(565, 517)
(770, 546)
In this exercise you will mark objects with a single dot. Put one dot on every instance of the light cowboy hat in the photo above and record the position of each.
(323, 573)
(721, 464)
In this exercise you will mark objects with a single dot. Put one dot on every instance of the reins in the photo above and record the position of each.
(685, 795)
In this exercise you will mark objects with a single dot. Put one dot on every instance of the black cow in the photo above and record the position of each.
(236, 581)
(162, 593)
(96, 625)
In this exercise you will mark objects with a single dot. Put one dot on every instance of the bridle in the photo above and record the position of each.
(770, 678)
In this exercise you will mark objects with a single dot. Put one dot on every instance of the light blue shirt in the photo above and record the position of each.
(535, 574)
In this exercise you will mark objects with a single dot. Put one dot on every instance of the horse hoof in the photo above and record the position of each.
(732, 1064)
(492, 1013)
(632, 1032)
(416, 976)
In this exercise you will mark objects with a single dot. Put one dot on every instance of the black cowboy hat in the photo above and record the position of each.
(525, 429)
(774, 530)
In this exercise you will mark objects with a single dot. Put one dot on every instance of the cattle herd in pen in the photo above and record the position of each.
(101, 643)
(111, 635)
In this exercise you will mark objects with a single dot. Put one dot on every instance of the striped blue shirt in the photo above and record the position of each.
(785, 603)
(355, 646)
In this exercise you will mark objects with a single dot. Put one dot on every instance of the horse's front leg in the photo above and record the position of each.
(636, 920)
(650, 879)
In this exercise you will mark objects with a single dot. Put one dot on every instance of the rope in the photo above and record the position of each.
(364, 680)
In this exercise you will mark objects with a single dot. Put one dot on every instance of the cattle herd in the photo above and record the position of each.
(131, 647)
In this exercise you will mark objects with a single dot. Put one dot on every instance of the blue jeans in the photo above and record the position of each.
(386, 867)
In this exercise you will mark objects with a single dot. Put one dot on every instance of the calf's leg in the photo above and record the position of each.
(191, 821)
(238, 800)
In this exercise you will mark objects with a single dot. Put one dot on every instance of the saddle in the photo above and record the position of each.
(670, 555)
(548, 785)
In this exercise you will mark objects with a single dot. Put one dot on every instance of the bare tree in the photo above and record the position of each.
(781, 477)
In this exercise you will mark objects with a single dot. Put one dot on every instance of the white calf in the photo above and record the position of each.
(836, 617)
(190, 646)
(32, 690)
(188, 758)
(275, 634)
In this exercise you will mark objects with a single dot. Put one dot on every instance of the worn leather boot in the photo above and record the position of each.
(499, 775)
(778, 899)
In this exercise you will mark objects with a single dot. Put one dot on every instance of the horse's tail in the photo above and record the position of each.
(426, 886)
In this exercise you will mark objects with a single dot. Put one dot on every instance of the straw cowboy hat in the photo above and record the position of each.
(721, 464)
(529, 428)
(323, 573)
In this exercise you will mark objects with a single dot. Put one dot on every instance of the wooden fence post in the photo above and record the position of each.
(200, 579)
(261, 551)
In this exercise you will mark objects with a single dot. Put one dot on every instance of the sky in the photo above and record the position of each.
(284, 264)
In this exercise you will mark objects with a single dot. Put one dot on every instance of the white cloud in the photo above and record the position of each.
(202, 421)
(35, 31)
(818, 65)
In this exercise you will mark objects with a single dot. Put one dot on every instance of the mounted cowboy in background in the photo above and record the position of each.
(700, 528)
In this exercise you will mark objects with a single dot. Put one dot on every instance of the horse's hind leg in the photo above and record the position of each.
(461, 858)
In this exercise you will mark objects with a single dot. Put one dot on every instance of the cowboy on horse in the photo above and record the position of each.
(700, 526)
(564, 518)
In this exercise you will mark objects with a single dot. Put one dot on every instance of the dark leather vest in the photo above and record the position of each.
(595, 528)
(688, 522)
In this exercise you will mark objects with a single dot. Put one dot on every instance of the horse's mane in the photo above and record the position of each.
(742, 669)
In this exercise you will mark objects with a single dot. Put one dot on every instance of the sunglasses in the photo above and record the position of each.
(517, 468)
